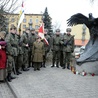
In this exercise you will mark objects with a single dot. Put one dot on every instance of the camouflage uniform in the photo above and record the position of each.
(47, 49)
(11, 53)
(32, 38)
(24, 40)
(56, 49)
(68, 48)
(20, 55)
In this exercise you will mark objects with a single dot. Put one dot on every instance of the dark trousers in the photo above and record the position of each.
(56, 57)
(66, 58)
(37, 65)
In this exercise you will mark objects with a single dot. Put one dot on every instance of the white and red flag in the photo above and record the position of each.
(41, 33)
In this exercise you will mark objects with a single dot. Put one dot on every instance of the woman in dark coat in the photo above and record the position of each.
(3, 57)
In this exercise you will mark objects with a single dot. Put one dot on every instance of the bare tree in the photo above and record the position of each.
(56, 25)
(7, 7)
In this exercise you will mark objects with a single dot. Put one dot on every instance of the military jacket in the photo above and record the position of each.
(32, 38)
(38, 51)
(24, 40)
(56, 43)
(19, 45)
(12, 44)
(68, 43)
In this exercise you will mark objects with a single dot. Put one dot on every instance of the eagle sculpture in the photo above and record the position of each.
(91, 50)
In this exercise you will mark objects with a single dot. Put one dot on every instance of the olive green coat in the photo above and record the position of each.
(38, 51)
(12, 44)
(56, 44)
(69, 47)
(32, 39)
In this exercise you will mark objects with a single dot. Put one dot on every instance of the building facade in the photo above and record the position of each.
(81, 33)
(30, 20)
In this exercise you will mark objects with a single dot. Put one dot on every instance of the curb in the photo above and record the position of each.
(13, 90)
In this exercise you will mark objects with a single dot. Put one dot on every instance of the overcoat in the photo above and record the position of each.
(38, 51)
(3, 58)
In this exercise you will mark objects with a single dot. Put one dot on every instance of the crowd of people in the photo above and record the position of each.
(20, 52)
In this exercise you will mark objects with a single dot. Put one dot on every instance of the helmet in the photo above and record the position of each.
(13, 27)
(68, 30)
(57, 30)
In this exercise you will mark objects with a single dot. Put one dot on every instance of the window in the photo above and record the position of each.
(36, 20)
(30, 20)
(36, 27)
(24, 20)
(24, 26)
(12, 20)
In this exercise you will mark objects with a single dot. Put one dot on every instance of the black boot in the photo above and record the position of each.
(9, 77)
(57, 65)
(68, 66)
(44, 64)
(18, 72)
(63, 67)
(33, 64)
(53, 64)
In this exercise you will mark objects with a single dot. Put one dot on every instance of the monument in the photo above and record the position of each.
(88, 61)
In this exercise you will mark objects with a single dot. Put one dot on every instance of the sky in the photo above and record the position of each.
(61, 10)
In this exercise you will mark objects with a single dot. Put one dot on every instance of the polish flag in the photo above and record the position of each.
(41, 33)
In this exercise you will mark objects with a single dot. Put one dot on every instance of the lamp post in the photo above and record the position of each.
(83, 33)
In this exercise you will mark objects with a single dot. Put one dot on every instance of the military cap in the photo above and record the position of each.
(32, 29)
(57, 30)
(68, 30)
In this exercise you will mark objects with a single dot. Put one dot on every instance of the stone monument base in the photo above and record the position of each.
(88, 67)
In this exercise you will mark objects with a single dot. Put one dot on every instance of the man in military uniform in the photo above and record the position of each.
(47, 47)
(68, 48)
(32, 37)
(20, 55)
(11, 52)
(24, 40)
(56, 48)
(38, 52)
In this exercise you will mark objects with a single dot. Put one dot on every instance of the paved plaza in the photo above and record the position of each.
(55, 83)
(5, 91)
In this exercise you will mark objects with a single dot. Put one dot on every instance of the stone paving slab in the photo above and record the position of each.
(5, 91)
(55, 83)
